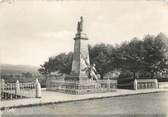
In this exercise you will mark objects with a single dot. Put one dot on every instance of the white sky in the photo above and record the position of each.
(30, 31)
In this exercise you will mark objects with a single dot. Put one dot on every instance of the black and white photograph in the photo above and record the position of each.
(83, 58)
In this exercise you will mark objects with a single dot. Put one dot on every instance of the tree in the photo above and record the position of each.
(155, 54)
(130, 56)
(136, 56)
(61, 63)
(100, 55)
(44, 69)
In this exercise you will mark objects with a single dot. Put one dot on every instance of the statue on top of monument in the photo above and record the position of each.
(80, 25)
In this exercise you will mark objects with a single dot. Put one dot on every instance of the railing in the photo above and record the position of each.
(108, 83)
(145, 84)
(81, 87)
(20, 90)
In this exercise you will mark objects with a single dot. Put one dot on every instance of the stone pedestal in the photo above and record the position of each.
(78, 81)
(80, 58)
(78, 76)
(80, 63)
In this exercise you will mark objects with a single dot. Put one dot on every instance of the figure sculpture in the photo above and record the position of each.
(90, 70)
(93, 72)
(80, 25)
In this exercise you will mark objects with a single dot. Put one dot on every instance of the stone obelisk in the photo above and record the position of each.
(80, 56)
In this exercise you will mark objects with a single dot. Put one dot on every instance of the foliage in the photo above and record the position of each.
(144, 56)
(100, 55)
(131, 56)
(147, 55)
(61, 63)
(155, 59)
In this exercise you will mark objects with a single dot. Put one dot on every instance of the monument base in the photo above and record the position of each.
(78, 82)
(76, 78)
(78, 87)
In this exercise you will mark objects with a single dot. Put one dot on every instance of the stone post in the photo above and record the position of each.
(108, 82)
(2, 84)
(17, 89)
(135, 84)
(156, 83)
(37, 89)
(47, 84)
(146, 85)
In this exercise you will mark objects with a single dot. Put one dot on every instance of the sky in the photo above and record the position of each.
(33, 30)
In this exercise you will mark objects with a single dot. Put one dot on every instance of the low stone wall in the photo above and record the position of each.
(145, 84)
(163, 85)
(81, 87)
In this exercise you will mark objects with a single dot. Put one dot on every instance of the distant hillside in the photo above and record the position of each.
(17, 69)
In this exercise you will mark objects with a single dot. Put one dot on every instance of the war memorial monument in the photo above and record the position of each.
(83, 77)
(80, 56)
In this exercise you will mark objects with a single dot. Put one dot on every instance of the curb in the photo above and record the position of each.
(66, 101)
